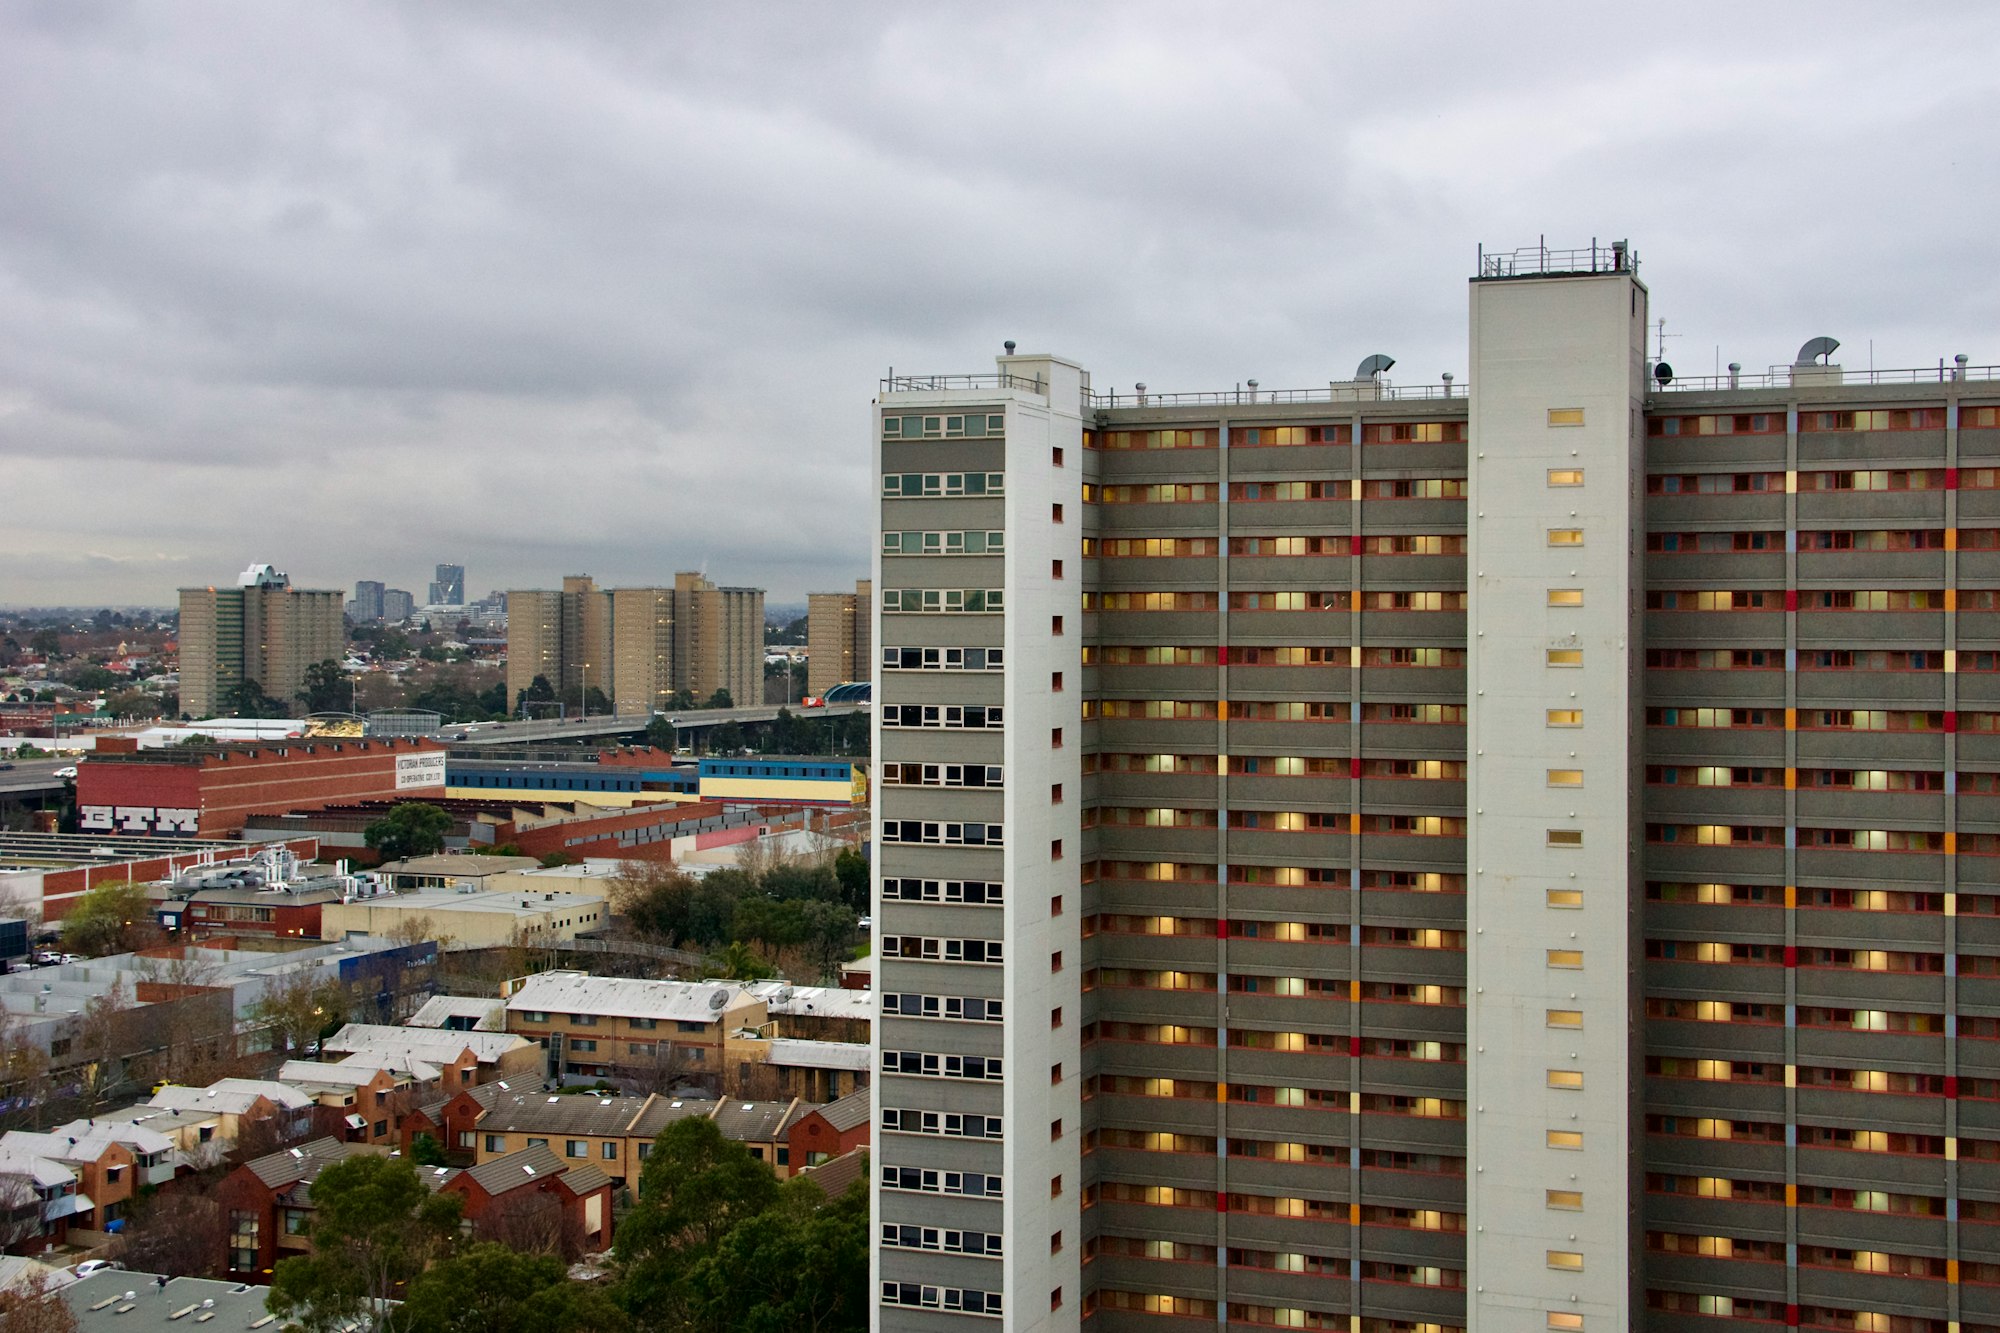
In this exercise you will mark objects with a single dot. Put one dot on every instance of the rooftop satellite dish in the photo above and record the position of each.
(717, 1000)
(1373, 366)
(1816, 348)
(1664, 373)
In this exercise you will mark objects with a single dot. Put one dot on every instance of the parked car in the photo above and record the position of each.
(89, 1266)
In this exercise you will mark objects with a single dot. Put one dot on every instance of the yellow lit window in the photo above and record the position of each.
(1565, 717)
(1570, 1080)
(1565, 657)
(1565, 1322)
(1565, 777)
(1714, 1187)
(1565, 536)
(1565, 597)
(1565, 837)
(1565, 1018)
(1565, 416)
(1569, 1140)
(1565, 958)
(1565, 476)
(1569, 1261)
(1565, 897)
(1571, 1200)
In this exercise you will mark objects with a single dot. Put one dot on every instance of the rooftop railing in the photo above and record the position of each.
(1785, 377)
(941, 383)
(1540, 261)
(1357, 392)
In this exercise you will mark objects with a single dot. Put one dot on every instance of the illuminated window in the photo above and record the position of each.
(1565, 416)
(1565, 597)
(1570, 1080)
(1565, 657)
(1565, 897)
(1569, 1261)
(1569, 1200)
(1570, 1140)
(1565, 717)
(1565, 476)
(1565, 777)
(1565, 837)
(1565, 1321)
(1565, 958)
(1565, 536)
(1565, 1018)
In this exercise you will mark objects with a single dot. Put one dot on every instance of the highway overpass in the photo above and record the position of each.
(580, 728)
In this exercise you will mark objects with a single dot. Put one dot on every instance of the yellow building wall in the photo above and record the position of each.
(381, 916)
(783, 789)
(609, 800)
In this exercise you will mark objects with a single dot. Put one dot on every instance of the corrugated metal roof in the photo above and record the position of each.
(673, 1001)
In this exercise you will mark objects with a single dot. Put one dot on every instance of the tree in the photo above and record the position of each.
(326, 689)
(597, 702)
(375, 1227)
(726, 739)
(425, 1150)
(801, 1265)
(246, 698)
(414, 828)
(491, 1289)
(662, 734)
(850, 867)
(180, 1235)
(694, 1188)
(32, 1305)
(46, 644)
(111, 918)
(298, 1008)
(94, 679)
(720, 699)
(539, 691)
(740, 963)
(132, 703)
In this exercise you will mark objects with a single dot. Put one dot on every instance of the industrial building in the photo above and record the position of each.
(1510, 856)
(262, 630)
(212, 790)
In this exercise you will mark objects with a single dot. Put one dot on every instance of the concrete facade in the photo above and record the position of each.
(838, 643)
(1507, 899)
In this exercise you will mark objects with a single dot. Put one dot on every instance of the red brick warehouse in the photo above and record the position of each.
(210, 792)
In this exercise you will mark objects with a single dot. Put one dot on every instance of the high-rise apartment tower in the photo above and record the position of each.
(1501, 857)
(261, 630)
(837, 629)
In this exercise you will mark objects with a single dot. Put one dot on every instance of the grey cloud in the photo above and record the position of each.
(360, 288)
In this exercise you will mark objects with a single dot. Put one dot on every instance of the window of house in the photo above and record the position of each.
(610, 1151)
(576, 1148)
(538, 1143)
(495, 1143)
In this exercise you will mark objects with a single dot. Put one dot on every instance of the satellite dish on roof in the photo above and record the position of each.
(717, 1000)
(1664, 373)
(1816, 348)
(1373, 366)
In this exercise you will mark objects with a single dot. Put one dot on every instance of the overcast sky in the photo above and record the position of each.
(357, 288)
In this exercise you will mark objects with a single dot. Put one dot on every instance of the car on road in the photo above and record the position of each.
(4, 766)
(66, 771)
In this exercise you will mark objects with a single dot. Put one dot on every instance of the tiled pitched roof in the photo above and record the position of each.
(301, 1163)
(550, 1113)
(846, 1113)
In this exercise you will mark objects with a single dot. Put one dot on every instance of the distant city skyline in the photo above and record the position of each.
(382, 299)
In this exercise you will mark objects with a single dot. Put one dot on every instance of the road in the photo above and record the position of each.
(32, 777)
(517, 733)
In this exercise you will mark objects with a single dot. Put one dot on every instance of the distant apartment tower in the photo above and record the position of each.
(397, 605)
(718, 639)
(448, 589)
(366, 608)
(642, 648)
(837, 642)
(263, 630)
(564, 637)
